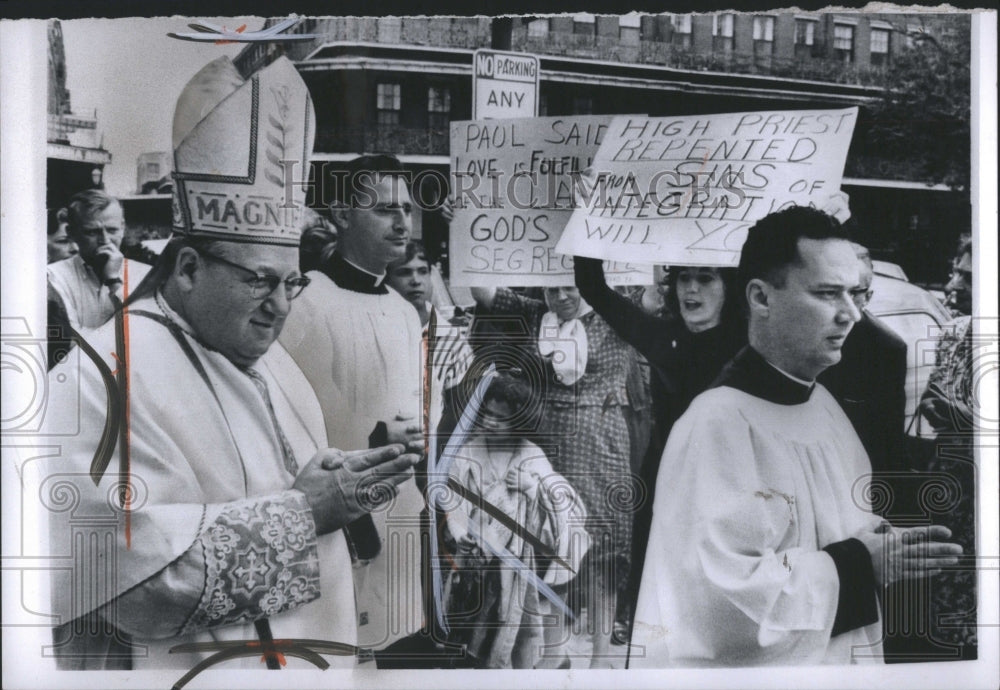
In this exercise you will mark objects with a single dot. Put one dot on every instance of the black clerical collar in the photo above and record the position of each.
(750, 372)
(349, 277)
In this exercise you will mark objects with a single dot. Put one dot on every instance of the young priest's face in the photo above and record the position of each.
(379, 224)
(810, 316)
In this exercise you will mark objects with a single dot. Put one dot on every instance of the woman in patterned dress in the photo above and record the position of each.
(585, 367)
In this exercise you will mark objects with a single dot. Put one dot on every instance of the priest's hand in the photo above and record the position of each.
(342, 486)
(405, 430)
(899, 554)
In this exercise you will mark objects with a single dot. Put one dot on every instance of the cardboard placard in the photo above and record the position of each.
(512, 182)
(684, 190)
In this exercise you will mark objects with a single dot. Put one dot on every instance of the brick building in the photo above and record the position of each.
(392, 84)
(75, 154)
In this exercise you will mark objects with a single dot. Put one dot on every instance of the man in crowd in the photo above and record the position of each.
(89, 285)
(230, 529)
(949, 406)
(761, 550)
(869, 382)
(959, 287)
(947, 403)
(358, 343)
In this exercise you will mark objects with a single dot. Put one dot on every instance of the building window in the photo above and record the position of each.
(388, 104)
(805, 32)
(584, 23)
(763, 29)
(880, 47)
(583, 105)
(722, 25)
(763, 36)
(843, 42)
(543, 104)
(682, 30)
(805, 37)
(438, 107)
(538, 28)
(390, 29)
(722, 32)
(628, 29)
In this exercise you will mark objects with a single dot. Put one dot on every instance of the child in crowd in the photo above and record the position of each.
(493, 608)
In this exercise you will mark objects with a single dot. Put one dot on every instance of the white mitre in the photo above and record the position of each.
(240, 148)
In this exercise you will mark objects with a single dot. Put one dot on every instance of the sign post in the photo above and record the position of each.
(504, 85)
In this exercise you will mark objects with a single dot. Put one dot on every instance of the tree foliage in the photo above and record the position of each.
(922, 119)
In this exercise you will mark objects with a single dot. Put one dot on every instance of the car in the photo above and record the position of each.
(884, 268)
(918, 318)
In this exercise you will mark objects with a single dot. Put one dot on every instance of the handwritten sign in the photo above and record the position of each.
(512, 182)
(684, 190)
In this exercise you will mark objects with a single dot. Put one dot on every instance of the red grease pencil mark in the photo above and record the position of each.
(127, 446)
(444, 552)
(426, 345)
(269, 653)
(224, 42)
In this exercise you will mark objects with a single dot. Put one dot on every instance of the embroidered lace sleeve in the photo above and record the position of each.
(255, 557)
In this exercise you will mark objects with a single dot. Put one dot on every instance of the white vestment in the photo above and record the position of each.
(749, 492)
(214, 537)
(361, 353)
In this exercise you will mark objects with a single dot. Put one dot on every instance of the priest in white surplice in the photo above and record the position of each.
(358, 343)
(231, 530)
(764, 549)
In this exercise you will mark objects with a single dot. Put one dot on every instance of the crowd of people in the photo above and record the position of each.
(294, 442)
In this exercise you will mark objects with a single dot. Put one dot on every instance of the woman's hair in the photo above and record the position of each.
(731, 311)
(56, 217)
(513, 388)
(164, 265)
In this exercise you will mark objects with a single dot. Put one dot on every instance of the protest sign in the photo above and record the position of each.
(684, 190)
(512, 182)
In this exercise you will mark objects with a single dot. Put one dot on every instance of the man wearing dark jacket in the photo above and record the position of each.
(869, 382)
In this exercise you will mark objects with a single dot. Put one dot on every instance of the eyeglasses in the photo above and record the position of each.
(263, 284)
